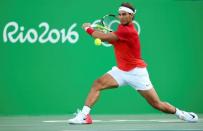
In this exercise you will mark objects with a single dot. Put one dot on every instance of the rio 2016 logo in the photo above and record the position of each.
(14, 33)
(33, 36)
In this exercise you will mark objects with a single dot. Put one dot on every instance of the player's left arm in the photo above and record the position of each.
(98, 34)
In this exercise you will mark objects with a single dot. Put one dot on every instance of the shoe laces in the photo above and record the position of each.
(78, 114)
(187, 115)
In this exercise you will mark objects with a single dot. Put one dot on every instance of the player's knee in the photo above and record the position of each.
(98, 84)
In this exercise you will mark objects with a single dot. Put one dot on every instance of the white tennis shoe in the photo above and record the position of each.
(80, 118)
(187, 116)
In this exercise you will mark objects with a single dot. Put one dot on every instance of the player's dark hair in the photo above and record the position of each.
(128, 5)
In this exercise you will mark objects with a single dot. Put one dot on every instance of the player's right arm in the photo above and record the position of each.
(105, 37)
(98, 34)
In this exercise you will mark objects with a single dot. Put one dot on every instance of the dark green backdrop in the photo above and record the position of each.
(48, 78)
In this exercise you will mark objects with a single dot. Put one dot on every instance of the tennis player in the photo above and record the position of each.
(130, 70)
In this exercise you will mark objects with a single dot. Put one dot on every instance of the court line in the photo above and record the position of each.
(144, 130)
(115, 121)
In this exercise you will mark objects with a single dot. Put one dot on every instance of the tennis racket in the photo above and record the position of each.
(106, 24)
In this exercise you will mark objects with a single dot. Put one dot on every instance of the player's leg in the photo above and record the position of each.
(104, 82)
(139, 79)
(153, 99)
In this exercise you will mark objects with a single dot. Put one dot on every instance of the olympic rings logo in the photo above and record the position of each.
(137, 26)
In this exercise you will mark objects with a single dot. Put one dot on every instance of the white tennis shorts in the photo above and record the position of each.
(138, 78)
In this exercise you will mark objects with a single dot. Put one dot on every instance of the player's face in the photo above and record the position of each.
(125, 17)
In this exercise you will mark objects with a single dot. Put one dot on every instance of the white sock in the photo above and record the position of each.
(86, 110)
(178, 112)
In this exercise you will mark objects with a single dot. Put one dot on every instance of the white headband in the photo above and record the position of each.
(126, 9)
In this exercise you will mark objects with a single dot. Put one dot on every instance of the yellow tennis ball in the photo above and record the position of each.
(97, 41)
